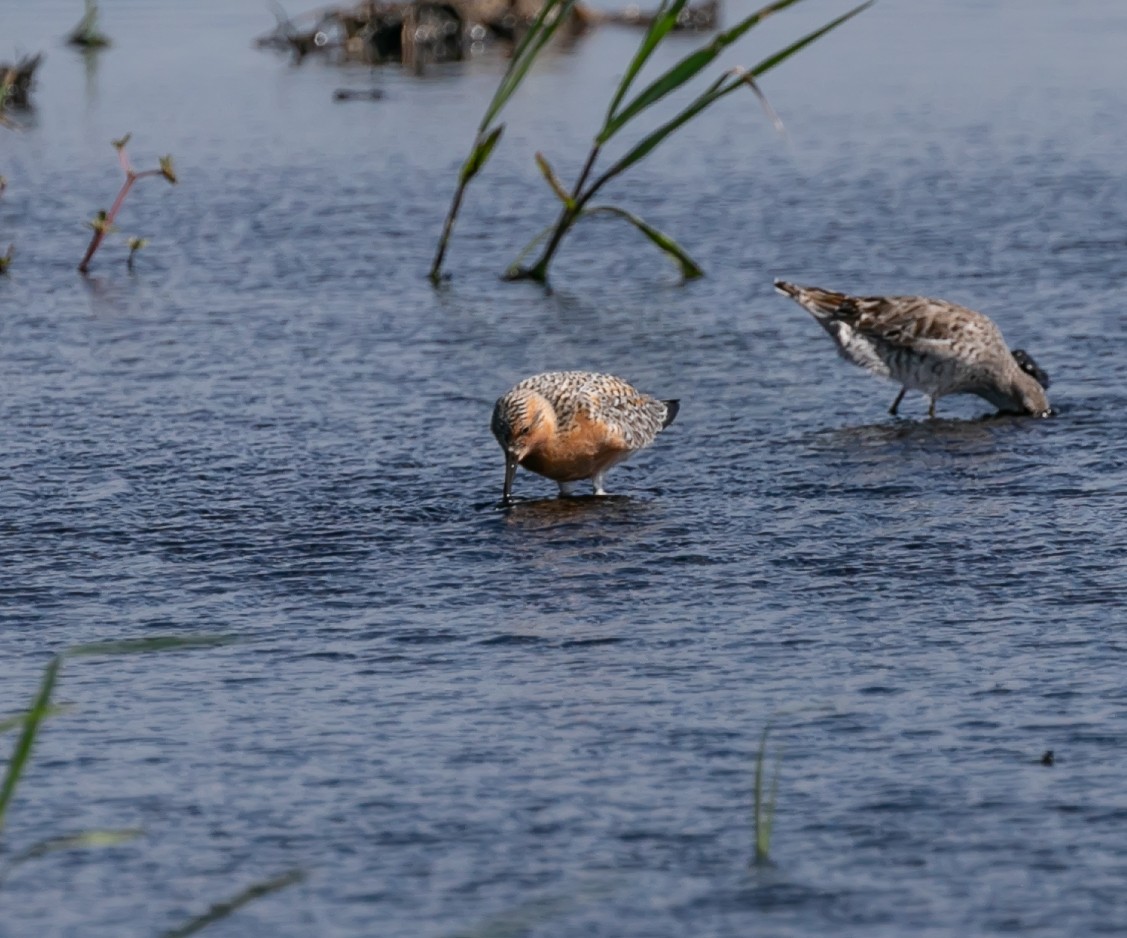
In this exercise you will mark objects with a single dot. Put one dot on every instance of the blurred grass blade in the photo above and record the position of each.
(689, 268)
(132, 646)
(22, 750)
(10, 723)
(687, 69)
(480, 153)
(764, 807)
(13, 722)
(223, 909)
(782, 55)
(663, 22)
(554, 180)
(80, 841)
(548, 20)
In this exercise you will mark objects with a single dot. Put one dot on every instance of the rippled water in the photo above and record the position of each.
(546, 720)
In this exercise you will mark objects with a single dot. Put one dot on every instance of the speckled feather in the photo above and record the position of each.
(573, 425)
(934, 346)
(637, 418)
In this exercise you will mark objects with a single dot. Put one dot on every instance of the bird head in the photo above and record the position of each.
(522, 420)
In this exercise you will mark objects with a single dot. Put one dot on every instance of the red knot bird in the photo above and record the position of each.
(574, 425)
(927, 345)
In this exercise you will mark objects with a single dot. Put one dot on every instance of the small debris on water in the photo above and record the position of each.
(357, 94)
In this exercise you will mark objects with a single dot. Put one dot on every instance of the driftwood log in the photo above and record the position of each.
(419, 32)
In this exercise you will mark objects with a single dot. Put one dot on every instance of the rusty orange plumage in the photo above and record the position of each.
(575, 425)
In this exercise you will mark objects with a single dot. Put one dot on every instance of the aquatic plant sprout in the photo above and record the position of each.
(103, 222)
(621, 112)
(135, 245)
(542, 28)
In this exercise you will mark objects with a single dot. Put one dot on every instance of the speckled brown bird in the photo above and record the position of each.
(575, 425)
(927, 345)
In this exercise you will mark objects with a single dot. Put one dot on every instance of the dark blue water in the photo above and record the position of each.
(464, 721)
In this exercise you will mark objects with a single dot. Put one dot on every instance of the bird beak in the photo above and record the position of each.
(510, 471)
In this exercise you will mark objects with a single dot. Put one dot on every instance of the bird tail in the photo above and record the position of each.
(671, 409)
(822, 304)
(1026, 363)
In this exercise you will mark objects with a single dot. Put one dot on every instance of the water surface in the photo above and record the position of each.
(447, 713)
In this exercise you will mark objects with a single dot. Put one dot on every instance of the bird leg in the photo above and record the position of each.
(896, 403)
(931, 408)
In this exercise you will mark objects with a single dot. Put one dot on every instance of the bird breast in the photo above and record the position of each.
(578, 450)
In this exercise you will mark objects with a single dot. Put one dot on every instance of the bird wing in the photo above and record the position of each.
(626, 413)
(925, 326)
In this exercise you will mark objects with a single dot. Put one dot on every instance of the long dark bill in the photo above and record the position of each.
(510, 471)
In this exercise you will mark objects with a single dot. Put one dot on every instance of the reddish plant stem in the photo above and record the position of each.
(101, 232)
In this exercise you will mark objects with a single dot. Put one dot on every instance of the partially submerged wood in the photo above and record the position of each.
(416, 33)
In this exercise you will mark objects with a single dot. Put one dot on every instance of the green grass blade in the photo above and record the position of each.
(35, 714)
(552, 14)
(725, 84)
(223, 909)
(519, 55)
(79, 841)
(16, 721)
(689, 268)
(663, 22)
(553, 180)
(482, 150)
(548, 20)
(10, 723)
(764, 807)
(781, 56)
(757, 800)
(687, 69)
(722, 86)
(133, 646)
